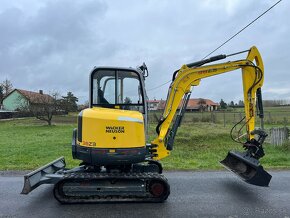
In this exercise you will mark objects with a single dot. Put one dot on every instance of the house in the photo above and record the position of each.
(194, 104)
(153, 104)
(201, 104)
(19, 99)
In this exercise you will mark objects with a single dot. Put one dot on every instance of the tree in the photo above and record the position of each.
(202, 104)
(86, 104)
(127, 101)
(41, 106)
(274, 103)
(56, 98)
(1, 95)
(43, 110)
(232, 104)
(69, 102)
(223, 104)
(6, 87)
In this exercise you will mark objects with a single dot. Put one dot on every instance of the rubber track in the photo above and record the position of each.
(144, 197)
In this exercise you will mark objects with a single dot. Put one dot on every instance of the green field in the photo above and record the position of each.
(28, 143)
(273, 116)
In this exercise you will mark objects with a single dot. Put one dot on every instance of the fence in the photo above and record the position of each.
(278, 136)
(225, 117)
(6, 115)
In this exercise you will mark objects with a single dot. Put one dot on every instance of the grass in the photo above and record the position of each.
(28, 144)
(203, 145)
(273, 116)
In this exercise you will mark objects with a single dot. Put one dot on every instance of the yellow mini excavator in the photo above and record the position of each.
(110, 140)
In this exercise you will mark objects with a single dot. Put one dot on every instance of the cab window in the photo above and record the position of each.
(117, 89)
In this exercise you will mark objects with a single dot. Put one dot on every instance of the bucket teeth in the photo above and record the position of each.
(247, 168)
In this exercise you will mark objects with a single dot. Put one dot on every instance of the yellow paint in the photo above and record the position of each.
(103, 127)
(161, 149)
(89, 144)
(188, 77)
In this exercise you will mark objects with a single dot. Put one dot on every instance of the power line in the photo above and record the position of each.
(227, 39)
(243, 29)
(148, 90)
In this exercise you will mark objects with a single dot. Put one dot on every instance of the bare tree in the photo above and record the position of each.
(42, 106)
(274, 103)
(202, 104)
(1, 95)
(241, 103)
(43, 111)
(6, 87)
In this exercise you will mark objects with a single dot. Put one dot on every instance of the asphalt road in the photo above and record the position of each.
(193, 194)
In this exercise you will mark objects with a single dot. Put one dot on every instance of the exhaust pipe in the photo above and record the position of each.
(247, 168)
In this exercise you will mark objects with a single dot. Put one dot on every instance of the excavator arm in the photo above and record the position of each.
(186, 77)
(180, 89)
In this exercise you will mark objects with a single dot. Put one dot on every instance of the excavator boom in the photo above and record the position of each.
(191, 75)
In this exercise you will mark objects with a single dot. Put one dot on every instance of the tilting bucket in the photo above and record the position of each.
(247, 168)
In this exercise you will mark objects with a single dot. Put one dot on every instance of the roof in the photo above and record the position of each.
(34, 97)
(193, 103)
(196, 102)
(153, 101)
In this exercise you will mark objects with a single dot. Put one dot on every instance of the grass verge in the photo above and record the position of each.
(28, 144)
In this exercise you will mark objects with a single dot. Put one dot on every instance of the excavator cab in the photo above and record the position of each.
(117, 113)
(117, 88)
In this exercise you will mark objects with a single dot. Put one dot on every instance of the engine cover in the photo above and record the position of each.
(110, 136)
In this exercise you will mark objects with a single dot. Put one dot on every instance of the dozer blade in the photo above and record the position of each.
(43, 175)
(247, 168)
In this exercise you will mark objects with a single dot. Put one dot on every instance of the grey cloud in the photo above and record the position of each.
(54, 44)
(47, 48)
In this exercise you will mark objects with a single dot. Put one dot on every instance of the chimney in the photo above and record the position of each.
(41, 92)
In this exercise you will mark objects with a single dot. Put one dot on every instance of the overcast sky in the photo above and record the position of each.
(54, 44)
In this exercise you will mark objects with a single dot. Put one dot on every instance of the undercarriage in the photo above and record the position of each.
(88, 184)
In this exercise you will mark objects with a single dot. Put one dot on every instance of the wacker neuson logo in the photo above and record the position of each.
(115, 129)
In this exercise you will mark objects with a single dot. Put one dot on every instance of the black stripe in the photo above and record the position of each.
(80, 126)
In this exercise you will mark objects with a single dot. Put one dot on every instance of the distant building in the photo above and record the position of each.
(194, 104)
(201, 104)
(18, 99)
(153, 104)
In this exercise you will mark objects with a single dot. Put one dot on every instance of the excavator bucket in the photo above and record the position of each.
(247, 168)
(43, 175)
